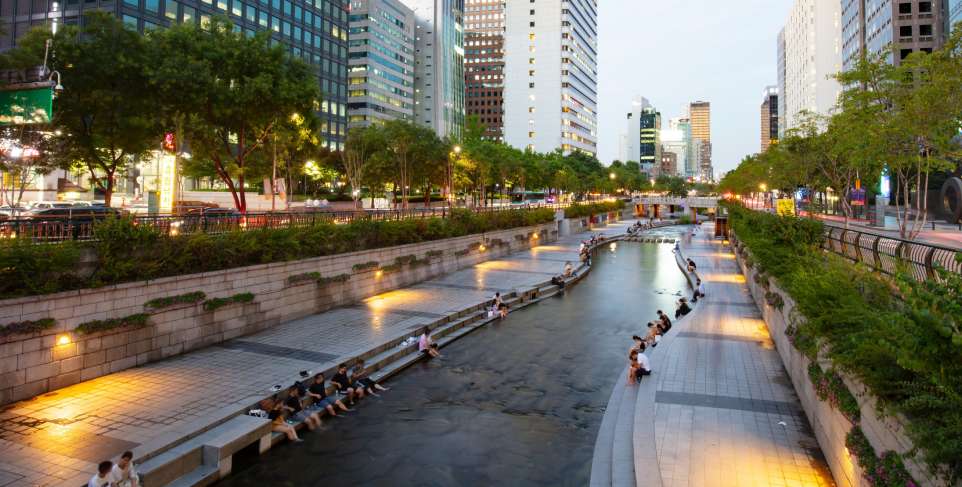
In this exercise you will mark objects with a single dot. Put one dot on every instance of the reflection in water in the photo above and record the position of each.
(516, 403)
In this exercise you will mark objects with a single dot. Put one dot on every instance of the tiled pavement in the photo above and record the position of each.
(725, 412)
(55, 439)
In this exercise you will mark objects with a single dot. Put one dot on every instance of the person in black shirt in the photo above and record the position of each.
(361, 380)
(296, 409)
(318, 392)
(343, 384)
(683, 308)
(665, 322)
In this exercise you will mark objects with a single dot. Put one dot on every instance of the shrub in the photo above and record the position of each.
(307, 276)
(138, 320)
(684, 220)
(338, 278)
(830, 388)
(27, 327)
(364, 266)
(125, 251)
(217, 303)
(589, 209)
(172, 300)
(887, 471)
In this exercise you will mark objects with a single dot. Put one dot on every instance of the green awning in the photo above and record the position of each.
(26, 106)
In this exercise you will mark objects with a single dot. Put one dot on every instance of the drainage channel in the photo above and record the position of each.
(517, 402)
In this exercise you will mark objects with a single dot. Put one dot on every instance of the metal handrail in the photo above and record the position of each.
(884, 253)
(52, 229)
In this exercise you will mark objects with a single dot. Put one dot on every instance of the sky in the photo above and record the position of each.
(677, 51)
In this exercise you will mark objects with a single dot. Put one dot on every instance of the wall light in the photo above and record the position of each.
(63, 339)
(379, 273)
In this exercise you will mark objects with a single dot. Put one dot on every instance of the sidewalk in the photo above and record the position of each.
(725, 412)
(57, 438)
(944, 234)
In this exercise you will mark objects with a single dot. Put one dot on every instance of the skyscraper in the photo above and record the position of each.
(674, 140)
(769, 117)
(439, 66)
(381, 66)
(484, 64)
(550, 78)
(909, 25)
(955, 13)
(649, 140)
(699, 113)
(812, 54)
(313, 30)
(780, 57)
(630, 148)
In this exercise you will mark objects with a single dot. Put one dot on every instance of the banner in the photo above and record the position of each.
(785, 207)
(19, 107)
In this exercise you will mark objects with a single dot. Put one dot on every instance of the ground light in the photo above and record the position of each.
(63, 340)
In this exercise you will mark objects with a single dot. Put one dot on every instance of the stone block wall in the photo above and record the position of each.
(885, 433)
(32, 364)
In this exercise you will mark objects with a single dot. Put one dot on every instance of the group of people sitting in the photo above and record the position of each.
(638, 363)
(638, 226)
(120, 474)
(498, 307)
(584, 250)
(307, 400)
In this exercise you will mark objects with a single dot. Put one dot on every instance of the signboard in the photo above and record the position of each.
(26, 106)
(168, 182)
(858, 197)
(785, 207)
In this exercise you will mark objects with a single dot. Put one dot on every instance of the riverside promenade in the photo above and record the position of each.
(719, 408)
(57, 438)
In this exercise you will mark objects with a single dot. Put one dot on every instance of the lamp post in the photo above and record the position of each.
(456, 151)
(763, 188)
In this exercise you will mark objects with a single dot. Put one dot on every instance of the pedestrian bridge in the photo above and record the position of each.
(685, 201)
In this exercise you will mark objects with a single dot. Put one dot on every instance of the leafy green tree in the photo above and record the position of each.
(233, 91)
(103, 119)
(361, 144)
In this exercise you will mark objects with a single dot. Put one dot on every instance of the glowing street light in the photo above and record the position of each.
(612, 176)
(763, 187)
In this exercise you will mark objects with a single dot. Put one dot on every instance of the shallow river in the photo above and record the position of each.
(518, 402)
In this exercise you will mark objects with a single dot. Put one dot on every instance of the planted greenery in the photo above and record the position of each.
(902, 339)
(124, 251)
(27, 327)
(138, 320)
(434, 253)
(160, 303)
(580, 211)
(338, 278)
(364, 266)
(830, 388)
(217, 303)
(885, 471)
(305, 277)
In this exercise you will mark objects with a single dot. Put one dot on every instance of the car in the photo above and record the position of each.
(73, 214)
(12, 211)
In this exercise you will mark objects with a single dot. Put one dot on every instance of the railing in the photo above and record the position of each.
(694, 201)
(885, 254)
(59, 229)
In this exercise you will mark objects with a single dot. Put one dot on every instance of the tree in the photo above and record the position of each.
(296, 142)
(233, 91)
(103, 119)
(361, 144)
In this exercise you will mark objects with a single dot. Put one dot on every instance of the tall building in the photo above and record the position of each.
(908, 25)
(769, 117)
(699, 114)
(629, 148)
(381, 65)
(550, 77)
(812, 56)
(439, 66)
(955, 13)
(686, 165)
(314, 30)
(780, 57)
(484, 64)
(649, 140)
(674, 140)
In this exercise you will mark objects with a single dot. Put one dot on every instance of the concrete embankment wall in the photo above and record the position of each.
(885, 433)
(32, 364)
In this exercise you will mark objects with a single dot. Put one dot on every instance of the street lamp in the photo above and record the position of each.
(611, 176)
(450, 174)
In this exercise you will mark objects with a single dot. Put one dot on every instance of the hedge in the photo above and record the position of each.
(125, 252)
(580, 211)
(902, 339)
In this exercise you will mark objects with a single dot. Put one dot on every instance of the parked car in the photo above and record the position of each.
(75, 213)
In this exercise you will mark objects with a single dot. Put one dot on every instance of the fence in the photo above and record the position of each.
(886, 254)
(59, 229)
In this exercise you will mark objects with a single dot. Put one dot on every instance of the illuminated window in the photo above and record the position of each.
(530, 135)
(531, 36)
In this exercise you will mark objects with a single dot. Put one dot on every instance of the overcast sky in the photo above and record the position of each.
(676, 51)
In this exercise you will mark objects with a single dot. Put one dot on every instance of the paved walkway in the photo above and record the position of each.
(725, 412)
(57, 438)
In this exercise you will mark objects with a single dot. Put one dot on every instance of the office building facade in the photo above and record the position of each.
(955, 13)
(812, 38)
(669, 165)
(550, 75)
(381, 62)
(699, 116)
(869, 26)
(484, 64)
(439, 66)
(649, 140)
(629, 149)
(675, 141)
(769, 117)
(780, 67)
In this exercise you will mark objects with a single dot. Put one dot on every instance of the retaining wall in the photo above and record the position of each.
(830, 426)
(32, 364)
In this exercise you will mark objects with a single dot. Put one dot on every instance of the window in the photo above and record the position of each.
(905, 31)
(904, 53)
(170, 9)
(530, 85)
(251, 13)
(237, 8)
(188, 15)
(152, 6)
(530, 72)
(530, 60)
(275, 24)
(530, 135)
(925, 30)
(925, 7)
(531, 36)
(222, 5)
(905, 8)
(530, 109)
(205, 21)
(531, 12)
(262, 19)
(130, 21)
(530, 24)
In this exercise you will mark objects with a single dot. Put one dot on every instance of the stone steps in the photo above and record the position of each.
(622, 457)
(604, 443)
